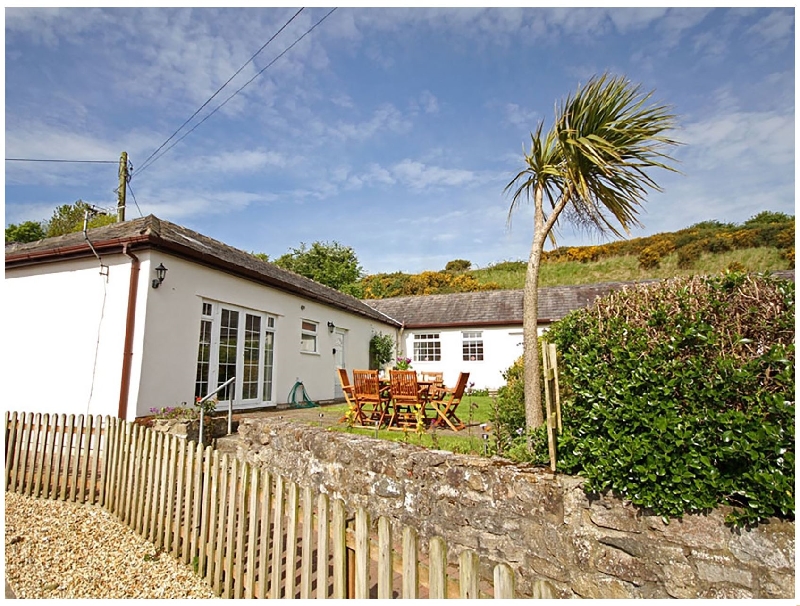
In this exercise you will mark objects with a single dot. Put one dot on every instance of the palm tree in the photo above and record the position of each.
(592, 164)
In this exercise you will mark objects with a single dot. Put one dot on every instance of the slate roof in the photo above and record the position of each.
(488, 307)
(497, 307)
(150, 232)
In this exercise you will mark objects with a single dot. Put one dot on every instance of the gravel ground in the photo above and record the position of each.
(56, 549)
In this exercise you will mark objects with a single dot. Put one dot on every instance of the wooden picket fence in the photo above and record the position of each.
(250, 533)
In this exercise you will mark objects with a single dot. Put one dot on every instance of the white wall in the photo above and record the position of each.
(58, 315)
(501, 347)
(173, 326)
(63, 336)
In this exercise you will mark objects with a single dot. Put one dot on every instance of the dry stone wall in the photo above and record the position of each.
(543, 525)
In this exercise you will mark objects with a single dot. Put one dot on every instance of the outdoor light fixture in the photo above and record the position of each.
(330, 327)
(161, 273)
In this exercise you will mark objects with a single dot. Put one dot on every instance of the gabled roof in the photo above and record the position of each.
(150, 232)
(498, 307)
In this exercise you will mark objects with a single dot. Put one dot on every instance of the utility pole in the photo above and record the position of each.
(123, 182)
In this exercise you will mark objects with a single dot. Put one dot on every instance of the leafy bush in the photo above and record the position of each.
(682, 395)
(649, 258)
(458, 265)
(381, 350)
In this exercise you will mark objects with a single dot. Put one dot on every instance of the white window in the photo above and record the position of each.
(427, 347)
(308, 336)
(239, 343)
(472, 346)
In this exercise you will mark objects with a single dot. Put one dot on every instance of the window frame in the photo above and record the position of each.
(432, 350)
(309, 334)
(472, 345)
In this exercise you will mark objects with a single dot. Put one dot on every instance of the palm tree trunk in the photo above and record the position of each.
(534, 416)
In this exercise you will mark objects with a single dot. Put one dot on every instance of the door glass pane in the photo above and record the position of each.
(252, 350)
(269, 352)
(228, 340)
(203, 359)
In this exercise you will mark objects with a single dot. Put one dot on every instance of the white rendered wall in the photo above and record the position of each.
(173, 326)
(63, 336)
(501, 348)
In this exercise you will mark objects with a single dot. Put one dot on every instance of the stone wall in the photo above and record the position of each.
(543, 525)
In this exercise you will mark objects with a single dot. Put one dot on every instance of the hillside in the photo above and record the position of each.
(763, 243)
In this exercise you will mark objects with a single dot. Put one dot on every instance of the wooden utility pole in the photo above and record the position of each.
(123, 183)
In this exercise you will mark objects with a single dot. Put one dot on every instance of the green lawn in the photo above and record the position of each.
(473, 410)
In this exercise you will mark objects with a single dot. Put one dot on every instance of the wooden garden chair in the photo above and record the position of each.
(371, 403)
(446, 404)
(347, 390)
(408, 399)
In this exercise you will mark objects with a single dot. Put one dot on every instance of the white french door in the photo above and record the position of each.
(236, 342)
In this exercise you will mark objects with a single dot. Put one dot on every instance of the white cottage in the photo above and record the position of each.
(93, 327)
(477, 332)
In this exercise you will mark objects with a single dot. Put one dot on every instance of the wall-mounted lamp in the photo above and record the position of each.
(161, 273)
(330, 327)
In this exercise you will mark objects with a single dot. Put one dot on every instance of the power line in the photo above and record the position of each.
(135, 201)
(238, 91)
(221, 87)
(70, 161)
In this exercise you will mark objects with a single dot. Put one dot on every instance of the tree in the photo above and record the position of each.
(29, 231)
(592, 164)
(458, 265)
(328, 263)
(69, 218)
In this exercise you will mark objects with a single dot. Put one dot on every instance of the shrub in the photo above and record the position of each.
(649, 258)
(682, 395)
(458, 265)
(690, 253)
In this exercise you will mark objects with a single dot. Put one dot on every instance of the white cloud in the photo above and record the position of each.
(385, 118)
(527, 119)
(777, 28)
(419, 176)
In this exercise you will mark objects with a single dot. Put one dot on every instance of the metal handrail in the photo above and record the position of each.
(208, 397)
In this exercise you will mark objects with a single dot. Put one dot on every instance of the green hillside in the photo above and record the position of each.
(763, 243)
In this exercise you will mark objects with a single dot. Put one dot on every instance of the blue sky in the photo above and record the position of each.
(392, 131)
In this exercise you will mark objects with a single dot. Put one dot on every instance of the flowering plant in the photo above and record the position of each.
(402, 364)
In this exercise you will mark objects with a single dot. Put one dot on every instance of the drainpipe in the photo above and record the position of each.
(130, 318)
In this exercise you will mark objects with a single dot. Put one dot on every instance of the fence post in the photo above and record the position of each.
(339, 551)
(263, 555)
(468, 574)
(305, 558)
(323, 546)
(437, 575)
(362, 555)
(410, 564)
(503, 582)
(277, 540)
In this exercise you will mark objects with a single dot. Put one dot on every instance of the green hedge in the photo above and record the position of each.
(679, 396)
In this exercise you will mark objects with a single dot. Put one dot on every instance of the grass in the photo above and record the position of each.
(626, 268)
(473, 410)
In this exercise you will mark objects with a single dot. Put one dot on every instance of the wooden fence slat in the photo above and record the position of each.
(362, 554)
(24, 448)
(308, 547)
(230, 527)
(242, 526)
(252, 534)
(385, 567)
(166, 465)
(206, 512)
(503, 582)
(209, 547)
(264, 534)
(199, 528)
(68, 445)
(181, 501)
(92, 486)
(219, 543)
(323, 546)
(410, 564)
(30, 455)
(85, 458)
(169, 511)
(140, 441)
(39, 454)
(437, 569)
(277, 539)
(113, 453)
(105, 458)
(77, 455)
(144, 485)
(339, 540)
(193, 493)
(132, 433)
(290, 584)
(52, 437)
(13, 426)
(468, 574)
(58, 447)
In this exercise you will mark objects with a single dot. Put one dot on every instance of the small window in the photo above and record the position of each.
(207, 309)
(308, 337)
(472, 346)
(427, 347)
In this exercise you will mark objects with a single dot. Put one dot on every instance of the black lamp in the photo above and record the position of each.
(161, 273)
(330, 327)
